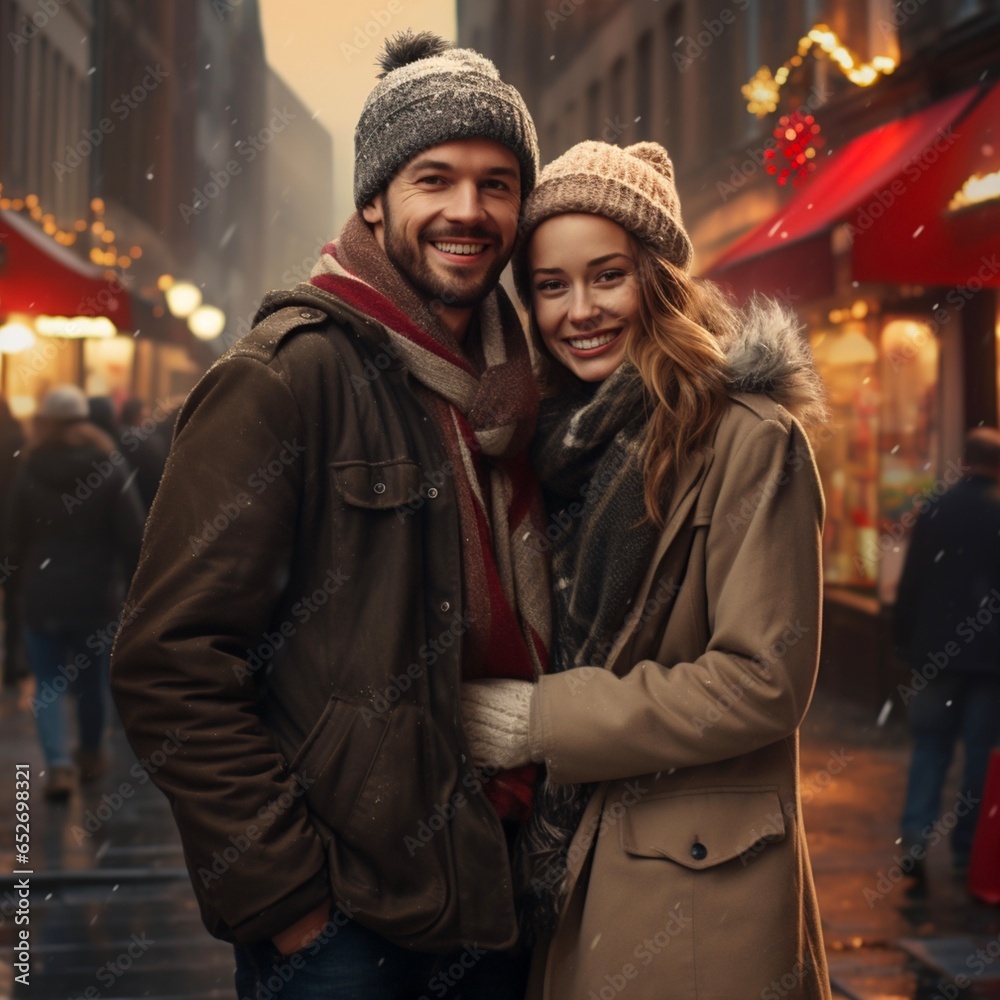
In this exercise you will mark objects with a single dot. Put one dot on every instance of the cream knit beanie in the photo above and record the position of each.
(633, 187)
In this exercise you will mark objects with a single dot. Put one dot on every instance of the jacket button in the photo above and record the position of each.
(432, 493)
(445, 607)
(379, 487)
(699, 851)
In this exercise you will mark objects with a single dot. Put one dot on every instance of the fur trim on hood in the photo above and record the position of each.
(770, 355)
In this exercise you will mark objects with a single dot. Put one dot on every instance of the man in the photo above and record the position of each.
(948, 630)
(340, 539)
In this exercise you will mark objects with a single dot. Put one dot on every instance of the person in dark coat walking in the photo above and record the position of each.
(947, 625)
(11, 446)
(145, 449)
(73, 529)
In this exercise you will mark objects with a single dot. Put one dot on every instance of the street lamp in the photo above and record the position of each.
(183, 298)
(15, 337)
(207, 322)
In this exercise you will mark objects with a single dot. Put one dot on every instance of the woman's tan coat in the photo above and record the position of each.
(689, 874)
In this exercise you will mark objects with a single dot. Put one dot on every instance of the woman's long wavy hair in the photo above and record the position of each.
(676, 346)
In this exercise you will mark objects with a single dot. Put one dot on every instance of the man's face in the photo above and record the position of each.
(447, 220)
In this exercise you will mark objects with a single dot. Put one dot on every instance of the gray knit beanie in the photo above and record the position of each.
(64, 402)
(633, 187)
(431, 93)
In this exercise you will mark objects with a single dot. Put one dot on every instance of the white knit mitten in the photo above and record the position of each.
(495, 714)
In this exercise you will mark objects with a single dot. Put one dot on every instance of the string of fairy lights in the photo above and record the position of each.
(183, 299)
(105, 255)
(763, 89)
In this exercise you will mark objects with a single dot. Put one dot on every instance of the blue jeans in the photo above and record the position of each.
(62, 662)
(350, 962)
(952, 706)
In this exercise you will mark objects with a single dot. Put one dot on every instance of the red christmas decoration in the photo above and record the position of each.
(797, 141)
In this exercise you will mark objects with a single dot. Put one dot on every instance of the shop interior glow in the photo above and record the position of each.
(976, 189)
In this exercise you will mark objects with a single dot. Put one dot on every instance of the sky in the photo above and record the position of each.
(326, 53)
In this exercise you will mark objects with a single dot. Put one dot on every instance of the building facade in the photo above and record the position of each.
(140, 145)
(838, 192)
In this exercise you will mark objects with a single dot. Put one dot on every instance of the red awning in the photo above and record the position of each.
(845, 185)
(918, 240)
(40, 277)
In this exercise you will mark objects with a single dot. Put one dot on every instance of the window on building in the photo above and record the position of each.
(673, 31)
(618, 124)
(881, 451)
(595, 123)
(644, 87)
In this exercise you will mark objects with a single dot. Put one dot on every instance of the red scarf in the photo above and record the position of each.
(483, 398)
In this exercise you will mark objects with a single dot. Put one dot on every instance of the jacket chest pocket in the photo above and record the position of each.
(704, 828)
(382, 485)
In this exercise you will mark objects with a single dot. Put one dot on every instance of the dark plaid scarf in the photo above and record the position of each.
(588, 455)
(483, 398)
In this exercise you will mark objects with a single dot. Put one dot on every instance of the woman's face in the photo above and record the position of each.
(584, 292)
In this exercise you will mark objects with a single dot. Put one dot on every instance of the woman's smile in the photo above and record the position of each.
(585, 293)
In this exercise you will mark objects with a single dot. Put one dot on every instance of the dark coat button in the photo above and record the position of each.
(699, 851)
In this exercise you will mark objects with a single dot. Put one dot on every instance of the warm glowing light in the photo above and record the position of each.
(124, 261)
(15, 337)
(108, 236)
(207, 322)
(860, 74)
(135, 252)
(851, 347)
(75, 326)
(976, 189)
(761, 93)
(97, 204)
(164, 281)
(31, 200)
(183, 298)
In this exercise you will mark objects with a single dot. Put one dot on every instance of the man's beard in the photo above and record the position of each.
(439, 290)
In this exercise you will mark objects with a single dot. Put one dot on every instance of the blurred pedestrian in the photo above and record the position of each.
(12, 442)
(142, 446)
(947, 627)
(73, 530)
(347, 504)
(101, 413)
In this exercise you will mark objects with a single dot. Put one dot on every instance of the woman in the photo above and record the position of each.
(685, 534)
(74, 527)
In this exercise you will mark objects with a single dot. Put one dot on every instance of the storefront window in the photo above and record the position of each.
(30, 374)
(909, 438)
(108, 368)
(847, 452)
(881, 448)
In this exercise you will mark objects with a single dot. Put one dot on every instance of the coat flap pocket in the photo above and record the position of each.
(704, 828)
(378, 485)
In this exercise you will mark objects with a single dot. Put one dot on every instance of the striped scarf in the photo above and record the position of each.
(483, 399)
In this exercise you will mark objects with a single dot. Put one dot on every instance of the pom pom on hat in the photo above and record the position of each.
(406, 47)
(633, 187)
(653, 154)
